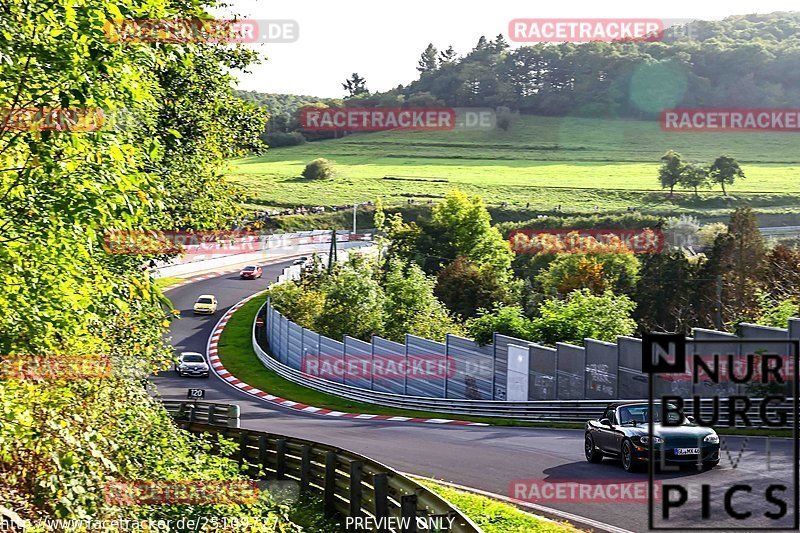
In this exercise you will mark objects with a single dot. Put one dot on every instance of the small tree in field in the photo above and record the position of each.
(724, 171)
(670, 172)
(319, 169)
(694, 176)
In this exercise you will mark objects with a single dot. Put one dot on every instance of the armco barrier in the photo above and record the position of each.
(579, 410)
(350, 484)
(220, 414)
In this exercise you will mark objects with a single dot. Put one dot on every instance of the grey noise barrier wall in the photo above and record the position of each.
(567, 382)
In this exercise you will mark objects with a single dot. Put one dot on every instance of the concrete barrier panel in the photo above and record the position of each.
(633, 382)
(388, 354)
(602, 366)
(474, 368)
(571, 371)
(544, 365)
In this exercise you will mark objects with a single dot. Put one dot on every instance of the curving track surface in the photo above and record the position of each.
(487, 458)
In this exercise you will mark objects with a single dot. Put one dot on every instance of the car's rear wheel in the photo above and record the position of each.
(593, 455)
(629, 462)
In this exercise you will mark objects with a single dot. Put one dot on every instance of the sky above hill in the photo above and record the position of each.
(382, 41)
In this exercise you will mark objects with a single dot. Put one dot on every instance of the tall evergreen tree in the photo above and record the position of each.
(429, 60)
(355, 85)
(500, 44)
(448, 56)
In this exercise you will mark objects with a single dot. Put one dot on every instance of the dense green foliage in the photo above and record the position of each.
(617, 272)
(282, 108)
(464, 288)
(585, 315)
(581, 315)
(319, 169)
(171, 119)
(471, 258)
(738, 278)
(555, 221)
(362, 298)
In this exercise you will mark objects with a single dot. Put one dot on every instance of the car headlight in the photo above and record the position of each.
(645, 439)
(713, 438)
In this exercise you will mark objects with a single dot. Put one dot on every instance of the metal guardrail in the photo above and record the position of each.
(350, 484)
(532, 410)
(218, 414)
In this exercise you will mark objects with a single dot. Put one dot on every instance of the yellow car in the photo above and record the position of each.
(205, 304)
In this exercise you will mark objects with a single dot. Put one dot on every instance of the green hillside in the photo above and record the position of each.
(578, 162)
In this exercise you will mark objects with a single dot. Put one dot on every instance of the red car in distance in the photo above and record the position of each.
(251, 272)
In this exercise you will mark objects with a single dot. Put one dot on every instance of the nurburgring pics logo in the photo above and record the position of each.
(147, 492)
(566, 240)
(699, 384)
(218, 31)
(730, 120)
(547, 30)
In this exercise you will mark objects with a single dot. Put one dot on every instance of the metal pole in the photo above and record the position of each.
(408, 511)
(718, 313)
(332, 251)
(355, 207)
(355, 488)
(329, 494)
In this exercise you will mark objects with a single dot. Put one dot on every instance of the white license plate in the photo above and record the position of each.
(687, 451)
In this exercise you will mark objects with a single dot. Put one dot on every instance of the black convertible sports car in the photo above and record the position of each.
(622, 433)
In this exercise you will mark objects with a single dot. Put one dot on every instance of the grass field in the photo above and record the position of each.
(546, 161)
(494, 516)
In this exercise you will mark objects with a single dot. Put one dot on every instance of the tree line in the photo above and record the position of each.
(675, 171)
(740, 61)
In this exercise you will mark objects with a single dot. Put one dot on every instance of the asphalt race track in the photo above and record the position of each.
(488, 458)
